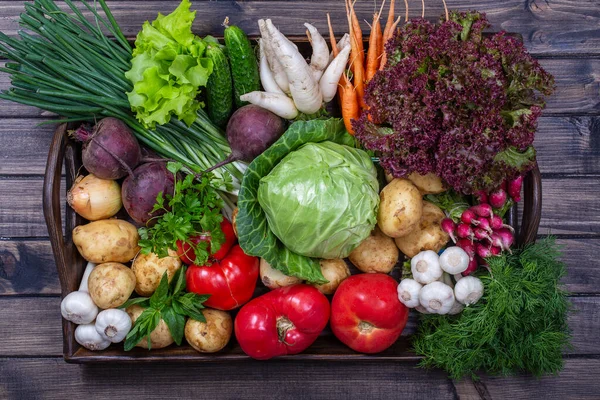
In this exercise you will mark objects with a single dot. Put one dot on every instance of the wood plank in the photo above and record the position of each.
(27, 267)
(25, 146)
(21, 378)
(40, 318)
(536, 21)
(578, 380)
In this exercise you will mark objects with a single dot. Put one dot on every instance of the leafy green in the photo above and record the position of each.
(519, 325)
(171, 304)
(254, 233)
(451, 202)
(168, 69)
(193, 209)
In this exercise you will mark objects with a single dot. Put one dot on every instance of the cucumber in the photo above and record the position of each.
(244, 66)
(219, 88)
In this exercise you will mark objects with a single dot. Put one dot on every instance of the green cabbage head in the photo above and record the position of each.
(321, 200)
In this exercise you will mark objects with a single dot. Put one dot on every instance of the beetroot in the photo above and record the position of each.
(140, 189)
(110, 151)
(250, 131)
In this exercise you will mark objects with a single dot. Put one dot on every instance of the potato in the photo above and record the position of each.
(335, 271)
(110, 284)
(273, 278)
(160, 336)
(211, 336)
(400, 208)
(428, 184)
(428, 235)
(377, 253)
(107, 240)
(149, 270)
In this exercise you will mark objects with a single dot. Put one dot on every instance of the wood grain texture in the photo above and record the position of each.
(27, 267)
(25, 146)
(548, 27)
(40, 318)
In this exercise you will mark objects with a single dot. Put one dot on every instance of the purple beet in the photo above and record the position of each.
(110, 151)
(250, 131)
(140, 189)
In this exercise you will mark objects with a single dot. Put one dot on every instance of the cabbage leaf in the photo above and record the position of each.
(254, 232)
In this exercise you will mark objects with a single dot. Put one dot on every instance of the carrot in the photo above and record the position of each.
(373, 52)
(357, 31)
(349, 104)
(334, 48)
(390, 30)
(390, 20)
(356, 59)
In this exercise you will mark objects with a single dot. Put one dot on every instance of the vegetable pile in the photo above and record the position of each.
(444, 120)
(468, 109)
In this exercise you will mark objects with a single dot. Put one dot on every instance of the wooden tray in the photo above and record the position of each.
(70, 266)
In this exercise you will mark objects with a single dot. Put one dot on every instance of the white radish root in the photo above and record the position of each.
(305, 91)
(276, 68)
(278, 103)
(343, 42)
(320, 51)
(331, 77)
(266, 75)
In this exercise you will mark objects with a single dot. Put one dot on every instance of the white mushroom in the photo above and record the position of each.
(425, 267)
(408, 292)
(437, 298)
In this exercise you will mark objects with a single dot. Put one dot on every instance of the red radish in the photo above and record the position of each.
(448, 226)
(467, 246)
(482, 250)
(496, 223)
(483, 210)
(468, 217)
(484, 224)
(110, 151)
(496, 241)
(480, 234)
(481, 196)
(464, 231)
(498, 198)
(473, 265)
(514, 188)
(506, 237)
(495, 250)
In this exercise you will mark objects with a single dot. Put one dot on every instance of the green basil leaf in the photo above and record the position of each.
(175, 322)
(191, 304)
(143, 326)
(178, 281)
(160, 296)
(138, 300)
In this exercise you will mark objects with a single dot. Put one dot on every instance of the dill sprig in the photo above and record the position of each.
(520, 324)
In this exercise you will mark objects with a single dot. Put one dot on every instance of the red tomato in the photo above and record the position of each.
(230, 282)
(283, 321)
(366, 314)
(186, 253)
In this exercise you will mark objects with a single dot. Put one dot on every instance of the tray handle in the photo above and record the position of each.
(532, 207)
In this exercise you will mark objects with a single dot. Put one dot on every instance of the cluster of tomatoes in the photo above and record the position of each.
(365, 313)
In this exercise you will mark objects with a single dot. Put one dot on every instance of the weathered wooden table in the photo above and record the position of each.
(563, 34)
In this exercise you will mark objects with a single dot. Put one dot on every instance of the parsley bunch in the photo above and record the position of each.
(193, 209)
(169, 303)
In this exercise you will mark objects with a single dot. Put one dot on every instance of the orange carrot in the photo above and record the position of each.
(356, 60)
(349, 104)
(334, 48)
(390, 30)
(390, 20)
(375, 39)
(357, 31)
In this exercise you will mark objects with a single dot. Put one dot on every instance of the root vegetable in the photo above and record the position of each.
(468, 290)
(87, 336)
(110, 240)
(408, 292)
(305, 91)
(425, 267)
(160, 336)
(276, 67)
(266, 75)
(437, 298)
(78, 307)
(377, 253)
(110, 151)
(449, 226)
(454, 260)
(273, 278)
(428, 184)
(514, 188)
(113, 325)
(457, 308)
(212, 335)
(149, 269)
(498, 198)
(427, 235)
(335, 271)
(320, 52)
(330, 80)
(111, 284)
(400, 208)
(94, 198)
(278, 103)
(140, 190)
(250, 131)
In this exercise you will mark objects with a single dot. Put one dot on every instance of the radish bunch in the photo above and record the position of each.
(480, 233)
(498, 198)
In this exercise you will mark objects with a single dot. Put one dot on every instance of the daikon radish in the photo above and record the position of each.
(276, 68)
(266, 75)
(331, 77)
(278, 103)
